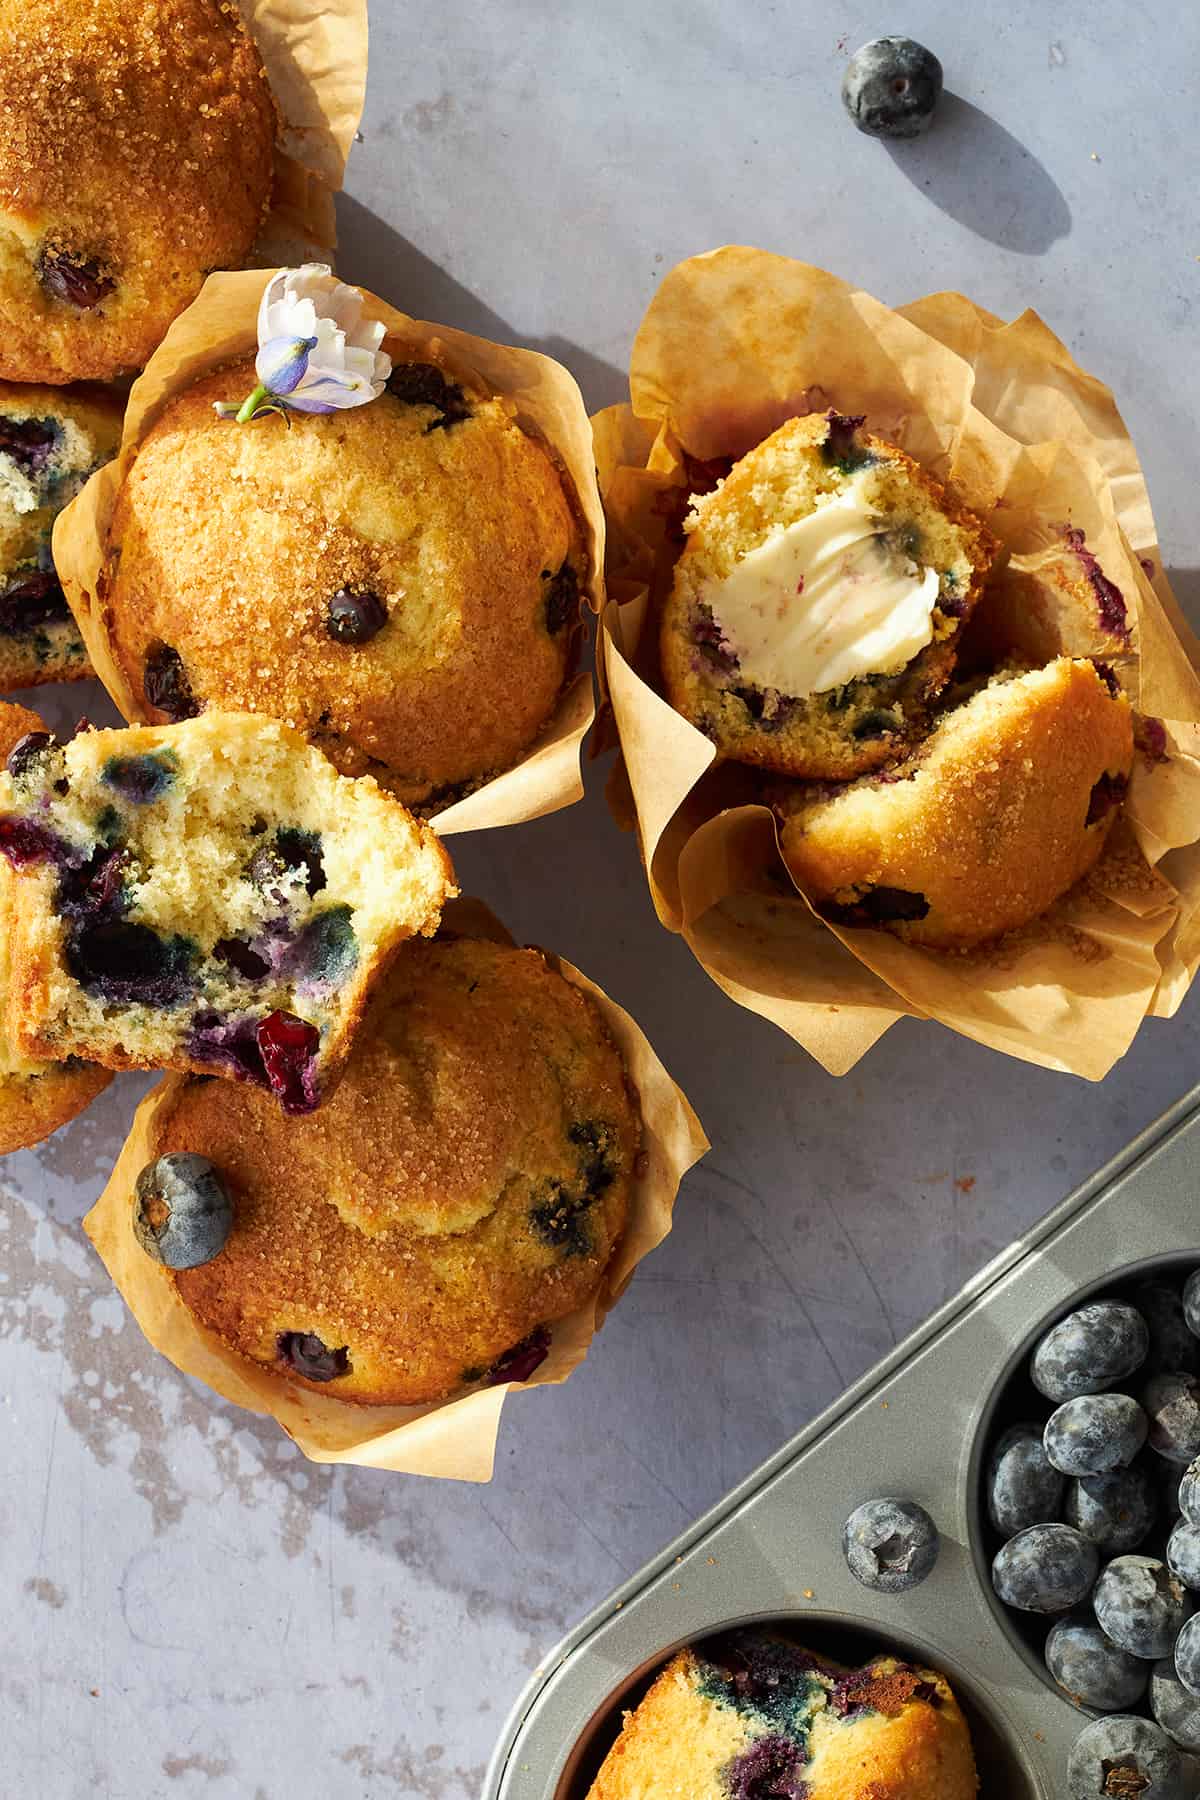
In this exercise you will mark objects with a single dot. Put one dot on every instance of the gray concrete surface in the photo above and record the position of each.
(191, 1609)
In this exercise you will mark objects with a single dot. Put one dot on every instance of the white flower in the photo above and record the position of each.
(316, 352)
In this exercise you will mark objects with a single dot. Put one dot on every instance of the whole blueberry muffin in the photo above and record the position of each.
(751, 1714)
(51, 440)
(209, 896)
(35, 1097)
(136, 153)
(399, 581)
(1006, 804)
(815, 611)
(464, 1187)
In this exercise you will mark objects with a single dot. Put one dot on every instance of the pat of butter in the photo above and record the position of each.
(825, 600)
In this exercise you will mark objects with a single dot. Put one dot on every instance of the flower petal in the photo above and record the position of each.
(282, 363)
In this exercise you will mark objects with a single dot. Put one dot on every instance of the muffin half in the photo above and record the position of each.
(815, 611)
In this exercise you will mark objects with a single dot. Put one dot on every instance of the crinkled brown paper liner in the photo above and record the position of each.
(453, 1438)
(222, 324)
(734, 343)
(315, 56)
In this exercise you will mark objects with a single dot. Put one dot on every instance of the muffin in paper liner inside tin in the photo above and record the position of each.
(734, 344)
(512, 397)
(455, 1436)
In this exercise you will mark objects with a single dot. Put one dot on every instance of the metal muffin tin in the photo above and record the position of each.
(917, 1425)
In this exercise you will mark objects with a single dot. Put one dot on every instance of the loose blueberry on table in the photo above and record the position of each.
(891, 87)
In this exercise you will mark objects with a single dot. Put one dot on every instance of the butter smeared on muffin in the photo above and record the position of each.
(815, 611)
(1004, 807)
(464, 1187)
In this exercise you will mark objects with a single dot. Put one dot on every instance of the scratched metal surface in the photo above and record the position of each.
(191, 1609)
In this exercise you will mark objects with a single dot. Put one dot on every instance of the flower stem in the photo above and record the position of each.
(251, 404)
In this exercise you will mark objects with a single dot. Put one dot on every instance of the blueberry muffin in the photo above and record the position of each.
(51, 440)
(209, 896)
(816, 608)
(399, 581)
(464, 1187)
(1004, 807)
(35, 1097)
(752, 1714)
(136, 151)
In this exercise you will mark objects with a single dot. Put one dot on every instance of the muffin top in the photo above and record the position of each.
(399, 580)
(136, 151)
(465, 1185)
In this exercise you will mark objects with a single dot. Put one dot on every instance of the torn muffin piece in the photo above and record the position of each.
(815, 612)
(209, 896)
(1004, 807)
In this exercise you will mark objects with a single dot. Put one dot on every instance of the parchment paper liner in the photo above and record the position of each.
(455, 1438)
(221, 325)
(734, 343)
(316, 63)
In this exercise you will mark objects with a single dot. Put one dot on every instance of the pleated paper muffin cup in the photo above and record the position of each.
(455, 1438)
(221, 325)
(316, 64)
(734, 343)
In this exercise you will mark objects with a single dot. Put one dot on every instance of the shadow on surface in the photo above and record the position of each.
(374, 255)
(982, 176)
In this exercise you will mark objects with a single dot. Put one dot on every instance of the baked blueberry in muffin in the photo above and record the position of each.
(463, 1188)
(209, 896)
(136, 152)
(1004, 807)
(752, 1715)
(35, 1097)
(51, 440)
(815, 611)
(401, 580)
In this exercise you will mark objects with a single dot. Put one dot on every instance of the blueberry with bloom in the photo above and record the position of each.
(316, 352)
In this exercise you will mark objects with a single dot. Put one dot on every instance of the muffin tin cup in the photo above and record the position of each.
(455, 1438)
(220, 325)
(917, 1426)
(735, 343)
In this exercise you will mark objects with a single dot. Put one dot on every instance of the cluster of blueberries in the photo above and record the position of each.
(1083, 1499)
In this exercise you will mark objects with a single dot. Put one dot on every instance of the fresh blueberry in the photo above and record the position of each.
(1191, 1302)
(1141, 1605)
(28, 754)
(562, 598)
(304, 1352)
(1090, 1669)
(1183, 1554)
(139, 779)
(1177, 1711)
(1187, 1656)
(355, 616)
(1125, 1758)
(166, 686)
(1022, 1487)
(890, 1545)
(1172, 1346)
(182, 1212)
(288, 1047)
(131, 964)
(1045, 1569)
(1188, 1493)
(1172, 1403)
(76, 280)
(1094, 1434)
(1115, 1511)
(891, 87)
(424, 384)
(1091, 1349)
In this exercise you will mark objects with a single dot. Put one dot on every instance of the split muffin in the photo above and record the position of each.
(1005, 805)
(464, 1188)
(36, 1097)
(815, 612)
(136, 153)
(753, 1714)
(51, 440)
(209, 896)
(400, 581)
